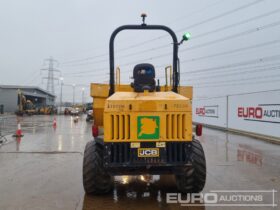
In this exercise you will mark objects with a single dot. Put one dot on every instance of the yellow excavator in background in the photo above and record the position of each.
(47, 110)
(25, 106)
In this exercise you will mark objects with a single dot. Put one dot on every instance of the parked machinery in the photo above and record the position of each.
(47, 110)
(147, 127)
(25, 106)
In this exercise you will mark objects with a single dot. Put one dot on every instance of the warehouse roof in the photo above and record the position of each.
(26, 87)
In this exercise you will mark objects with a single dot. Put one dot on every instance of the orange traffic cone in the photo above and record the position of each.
(54, 122)
(18, 131)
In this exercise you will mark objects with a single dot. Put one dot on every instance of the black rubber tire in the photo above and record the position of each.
(194, 177)
(95, 178)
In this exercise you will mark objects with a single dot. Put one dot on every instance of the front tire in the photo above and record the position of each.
(194, 177)
(95, 178)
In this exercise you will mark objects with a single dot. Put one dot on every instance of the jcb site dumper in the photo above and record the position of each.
(143, 128)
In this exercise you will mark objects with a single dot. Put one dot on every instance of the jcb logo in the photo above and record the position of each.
(148, 152)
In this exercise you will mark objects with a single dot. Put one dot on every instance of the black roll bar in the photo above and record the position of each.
(143, 27)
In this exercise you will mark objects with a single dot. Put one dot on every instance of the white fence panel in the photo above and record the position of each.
(211, 111)
(255, 112)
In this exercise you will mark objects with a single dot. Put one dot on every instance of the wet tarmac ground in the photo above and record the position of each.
(43, 170)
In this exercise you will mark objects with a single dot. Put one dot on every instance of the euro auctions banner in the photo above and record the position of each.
(211, 111)
(256, 112)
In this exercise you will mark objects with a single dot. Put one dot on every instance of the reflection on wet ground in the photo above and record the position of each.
(43, 170)
(248, 154)
(136, 192)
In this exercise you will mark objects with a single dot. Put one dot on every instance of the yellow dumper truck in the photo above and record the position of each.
(143, 128)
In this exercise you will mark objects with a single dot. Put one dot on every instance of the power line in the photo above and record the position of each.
(85, 59)
(34, 78)
(238, 84)
(221, 15)
(237, 35)
(236, 93)
(87, 63)
(98, 70)
(257, 29)
(27, 80)
(226, 38)
(188, 27)
(234, 51)
(232, 72)
(214, 42)
(208, 70)
(206, 33)
(273, 68)
(237, 23)
(76, 85)
(254, 70)
(148, 41)
(234, 36)
(237, 80)
(253, 61)
(195, 12)
(219, 83)
(216, 68)
(236, 68)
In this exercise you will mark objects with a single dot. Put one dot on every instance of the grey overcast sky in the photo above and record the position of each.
(235, 45)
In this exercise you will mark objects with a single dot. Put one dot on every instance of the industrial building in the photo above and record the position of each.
(38, 96)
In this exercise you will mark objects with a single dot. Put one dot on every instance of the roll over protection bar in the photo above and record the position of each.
(144, 27)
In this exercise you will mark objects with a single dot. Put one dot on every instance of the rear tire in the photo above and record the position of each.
(95, 178)
(194, 177)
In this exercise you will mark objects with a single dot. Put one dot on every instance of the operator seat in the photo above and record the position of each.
(144, 78)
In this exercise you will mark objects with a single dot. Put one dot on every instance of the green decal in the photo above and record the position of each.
(148, 127)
